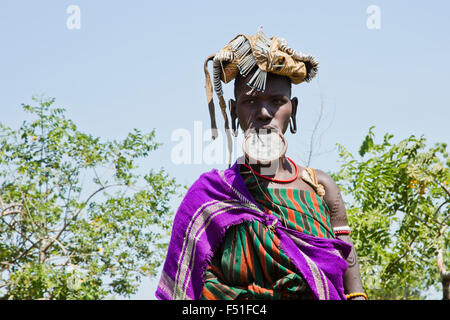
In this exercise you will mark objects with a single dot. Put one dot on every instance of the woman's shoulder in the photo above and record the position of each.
(323, 177)
(326, 181)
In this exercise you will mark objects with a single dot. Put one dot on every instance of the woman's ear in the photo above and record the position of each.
(234, 126)
(292, 119)
(294, 102)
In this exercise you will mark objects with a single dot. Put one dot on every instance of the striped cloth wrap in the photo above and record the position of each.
(219, 200)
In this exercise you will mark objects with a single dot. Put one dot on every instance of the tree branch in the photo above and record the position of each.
(392, 263)
(313, 134)
(74, 217)
(445, 275)
(445, 189)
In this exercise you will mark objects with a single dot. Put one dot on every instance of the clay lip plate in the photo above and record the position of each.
(264, 146)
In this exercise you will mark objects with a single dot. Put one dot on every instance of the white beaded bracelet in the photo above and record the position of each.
(341, 230)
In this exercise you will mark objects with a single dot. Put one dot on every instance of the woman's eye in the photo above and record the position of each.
(279, 101)
(249, 101)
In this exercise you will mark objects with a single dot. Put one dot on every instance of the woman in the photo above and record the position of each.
(244, 233)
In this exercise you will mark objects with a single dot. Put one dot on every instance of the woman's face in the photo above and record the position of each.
(270, 109)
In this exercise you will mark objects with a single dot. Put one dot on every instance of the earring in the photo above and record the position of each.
(292, 125)
(234, 127)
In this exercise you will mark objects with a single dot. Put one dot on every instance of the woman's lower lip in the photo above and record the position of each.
(266, 128)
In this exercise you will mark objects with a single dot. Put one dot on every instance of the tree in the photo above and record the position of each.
(313, 147)
(77, 219)
(398, 205)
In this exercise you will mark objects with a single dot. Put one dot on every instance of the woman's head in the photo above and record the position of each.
(271, 108)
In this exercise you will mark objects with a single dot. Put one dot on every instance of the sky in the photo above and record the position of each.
(139, 64)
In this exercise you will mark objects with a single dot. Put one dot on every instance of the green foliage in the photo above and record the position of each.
(398, 205)
(77, 219)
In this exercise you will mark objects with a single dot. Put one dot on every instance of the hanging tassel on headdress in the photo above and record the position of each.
(222, 104)
(209, 97)
(223, 107)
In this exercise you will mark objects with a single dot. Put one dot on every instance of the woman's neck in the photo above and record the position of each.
(278, 169)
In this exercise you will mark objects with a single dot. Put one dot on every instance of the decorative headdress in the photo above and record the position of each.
(241, 55)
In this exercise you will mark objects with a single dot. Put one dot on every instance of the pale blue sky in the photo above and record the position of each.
(134, 64)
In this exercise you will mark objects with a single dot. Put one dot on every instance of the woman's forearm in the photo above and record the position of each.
(352, 277)
(338, 219)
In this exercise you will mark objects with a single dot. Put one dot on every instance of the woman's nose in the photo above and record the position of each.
(264, 115)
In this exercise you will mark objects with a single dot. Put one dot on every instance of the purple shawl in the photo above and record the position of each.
(220, 199)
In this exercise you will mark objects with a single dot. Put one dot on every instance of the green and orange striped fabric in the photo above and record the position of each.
(303, 210)
(250, 264)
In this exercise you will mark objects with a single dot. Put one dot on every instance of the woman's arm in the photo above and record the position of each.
(338, 216)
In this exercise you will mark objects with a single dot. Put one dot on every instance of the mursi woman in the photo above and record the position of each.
(261, 230)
